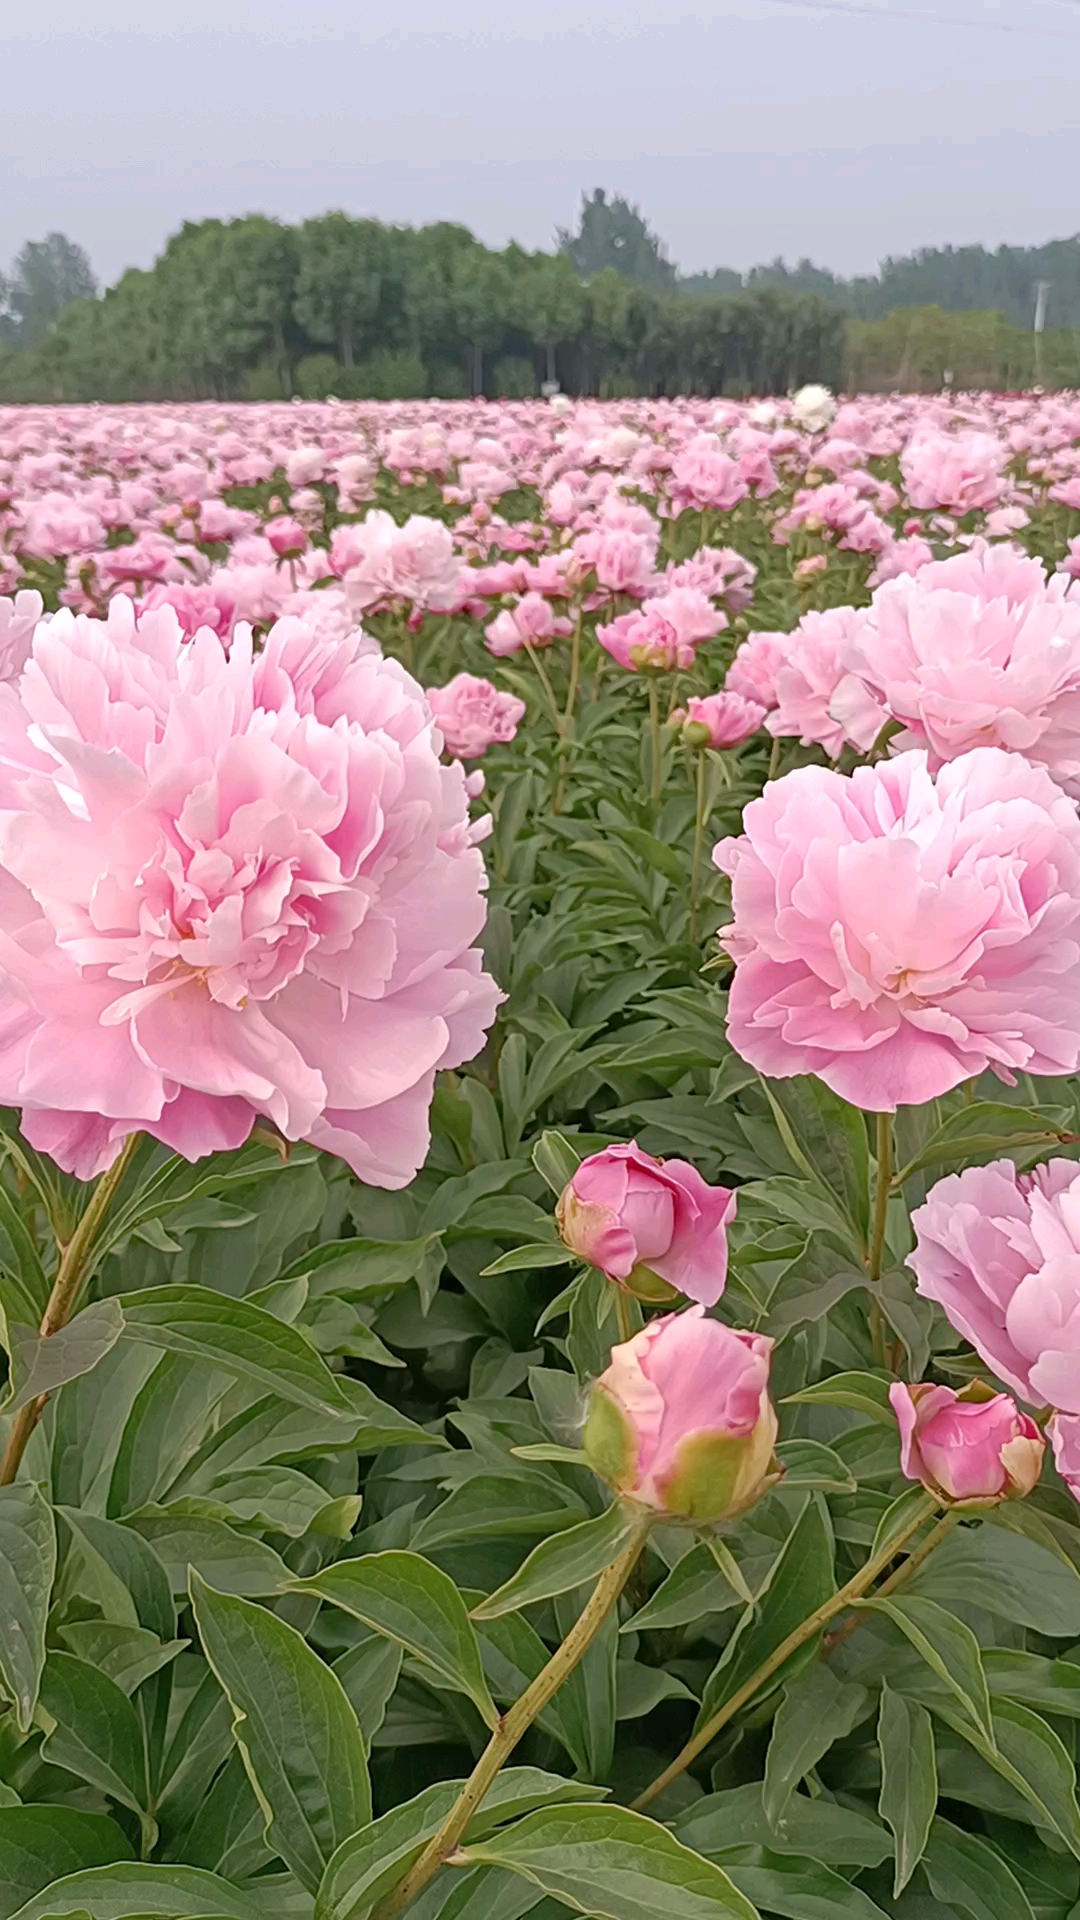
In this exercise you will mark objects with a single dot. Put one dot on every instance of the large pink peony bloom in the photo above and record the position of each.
(807, 680)
(386, 565)
(230, 886)
(664, 633)
(979, 650)
(895, 935)
(472, 715)
(956, 472)
(1000, 1252)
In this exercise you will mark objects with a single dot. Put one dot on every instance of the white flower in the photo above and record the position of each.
(813, 408)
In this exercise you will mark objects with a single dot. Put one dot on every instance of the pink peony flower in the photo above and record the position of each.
(286, 535)
(895, 935)
(807, 680)
(703, 476)
(1064, 1434)
(972, 1447)
(663, 633)
(1000, 1252)
(472, 715)
(18, 619)
(233, 885)
(682, 1422)
(211, 605)
(754, 669)
(979, 650)
(622, 560)
(533, 619)
(625, 1212)
(386, 565)
(719, 720)
(954, 472)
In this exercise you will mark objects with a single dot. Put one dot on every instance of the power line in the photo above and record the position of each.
(926, 19)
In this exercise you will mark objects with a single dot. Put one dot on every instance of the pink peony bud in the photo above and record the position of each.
(719, 720)
(650, 1224)
(681, 1420)
(286, 535)
(970, 1448)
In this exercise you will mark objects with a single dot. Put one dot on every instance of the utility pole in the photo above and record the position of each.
(1042, 288)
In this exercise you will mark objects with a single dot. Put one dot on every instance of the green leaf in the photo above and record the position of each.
(562, 1563)
(95, 1732)
(968, 1874)
(949, 1648)
(808, 1464)
(802, 1889)
(500, 1506)
(169, 1416)
(612, 1864)
(233, 1334)
(800, 1580)
(27, 1570)
(41, 1844)
(839, 1836)
(513, 1655)
(541, 1253)
(128, 1655)
(556, 1159)
(41, 1365)
(1011, 1576)
(816, 1710)
(983, 1131)
(865, 1393)
(366, 1867)
(369, 1673)
(696, 1586)
(134, 1579)
(405, 1597)
(298, 1735)
(138, 1889)
(831, 1140)
(1030, 1756)
(909, 1786)
(230, 1561)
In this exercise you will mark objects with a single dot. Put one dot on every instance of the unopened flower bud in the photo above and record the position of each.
(649, 1224)
(682, 1422)
(972, 1448)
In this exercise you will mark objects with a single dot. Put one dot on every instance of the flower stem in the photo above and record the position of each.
(517, 1721)
(699, 837)
(76, 1262)
(876, 1254)
(774, 759)
(903, 1573)
(622, 1315)
(549, 691)
(575, 671)
(654, 735)
(797, 1638)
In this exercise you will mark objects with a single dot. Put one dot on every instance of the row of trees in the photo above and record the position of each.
(923, 349)
(47, 276)
(255, 307)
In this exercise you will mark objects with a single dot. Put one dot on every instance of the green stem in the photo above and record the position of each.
(549, 691)
(622, 1314)
(699, 838)
(903, 1573)
(575, 671)
(798, 1637)
(517, 1722)
(876, 1255)
(76, 1262)
(774, 759)
(654, 735)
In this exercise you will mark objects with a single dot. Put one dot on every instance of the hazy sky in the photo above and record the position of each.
(745, 128)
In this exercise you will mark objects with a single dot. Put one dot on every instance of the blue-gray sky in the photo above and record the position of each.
(745, 128)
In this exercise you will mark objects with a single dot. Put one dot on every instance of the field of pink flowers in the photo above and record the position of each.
(539, 1174)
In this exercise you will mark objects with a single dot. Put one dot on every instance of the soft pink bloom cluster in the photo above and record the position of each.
(753, 671)
(718, 720)
(681, 1420)
(967, 1448)
(956, 473)
(232, 886)
(663, 633)
(896, 934)
(807, 677)
(625, 1210)
(472, 715)
(384, 565)
(532, 621)
(979, 650)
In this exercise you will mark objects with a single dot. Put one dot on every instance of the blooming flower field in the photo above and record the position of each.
(539, 1177)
